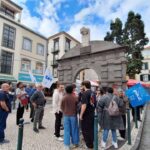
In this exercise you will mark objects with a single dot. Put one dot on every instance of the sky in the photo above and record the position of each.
(49, 17)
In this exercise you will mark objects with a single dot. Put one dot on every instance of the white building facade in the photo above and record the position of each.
(21, 49)
(144, 76)
(58, 45)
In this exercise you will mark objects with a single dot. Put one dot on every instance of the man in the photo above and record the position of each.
(69, 108)
(38, 101)
(57, 99)
(87, 114)
(5, 108)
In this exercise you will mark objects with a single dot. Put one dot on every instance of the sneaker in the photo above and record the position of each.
(4, 141)
(121, 139)
(61, 128)
(115, 144)
(36, 130)
(41, 127)
(67, 148)
(74, 146)
(60, 139)
(103, 144)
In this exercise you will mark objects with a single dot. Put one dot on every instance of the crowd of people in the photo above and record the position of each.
(78, 110)
(74, 112)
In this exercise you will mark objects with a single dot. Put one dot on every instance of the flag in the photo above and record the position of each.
(33, 79)
(137, 95)
(47, 79)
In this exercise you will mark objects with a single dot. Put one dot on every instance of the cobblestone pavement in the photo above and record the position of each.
(45, 140)
(145, 143)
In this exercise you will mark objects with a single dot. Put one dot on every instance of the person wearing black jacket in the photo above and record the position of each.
(88, 104)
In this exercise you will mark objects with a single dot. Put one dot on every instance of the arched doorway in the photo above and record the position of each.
(87, 74)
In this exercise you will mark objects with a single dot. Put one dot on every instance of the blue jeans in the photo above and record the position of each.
(71, 130)
(3, 117)
(105, 135)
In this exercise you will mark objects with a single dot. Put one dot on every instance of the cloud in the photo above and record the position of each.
(49, 22)
(48, 27)
(46, 23)
(110, 11)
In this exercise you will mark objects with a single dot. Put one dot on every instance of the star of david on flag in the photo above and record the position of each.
(137, 95)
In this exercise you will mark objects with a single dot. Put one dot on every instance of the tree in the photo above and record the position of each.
(133, 36)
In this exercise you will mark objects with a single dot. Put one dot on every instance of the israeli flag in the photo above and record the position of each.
(48, 79)
(33, 79)
(137, 95)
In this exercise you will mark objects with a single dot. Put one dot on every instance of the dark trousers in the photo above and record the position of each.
(138, 113)
(123, 132)
(38, 117)
(20, 112)
(58, 117)
(31, 111)
(87, 127)
(3, 118)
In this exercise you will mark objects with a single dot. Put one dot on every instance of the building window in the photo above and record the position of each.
(40, 49)
(145, 77)
(25, 65)
(67, 44)
(27, 44)
(39, 68)
(145, 66)
(9, 35)
(55, 73)
(6, 62)
(56, 44)
(5, 10)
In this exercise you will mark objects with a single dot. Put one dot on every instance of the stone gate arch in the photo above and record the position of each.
(106, 58)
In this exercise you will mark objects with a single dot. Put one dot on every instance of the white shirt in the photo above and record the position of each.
(57, 99)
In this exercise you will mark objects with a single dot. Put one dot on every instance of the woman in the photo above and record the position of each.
(99, 94)
(21, 95)
(123, 112)
(69, 109)
(108, 122)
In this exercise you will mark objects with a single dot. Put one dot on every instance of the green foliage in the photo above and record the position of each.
(131, 35)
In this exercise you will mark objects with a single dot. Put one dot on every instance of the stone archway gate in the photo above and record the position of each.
(106, 58)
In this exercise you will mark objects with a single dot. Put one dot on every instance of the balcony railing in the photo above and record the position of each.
(54, 63)
(55, 50)
(38, 71)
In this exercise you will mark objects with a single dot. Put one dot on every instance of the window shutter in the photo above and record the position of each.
(149, 77)
(141, 77)
(146, 66)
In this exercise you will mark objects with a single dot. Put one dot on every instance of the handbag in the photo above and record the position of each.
(24, 100)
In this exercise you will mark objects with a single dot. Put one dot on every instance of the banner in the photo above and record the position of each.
(48, 79)
(33, 79)
(137, 95)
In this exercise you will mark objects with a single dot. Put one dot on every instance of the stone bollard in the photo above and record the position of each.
(95, 132)
(20, 134)
(129, 126)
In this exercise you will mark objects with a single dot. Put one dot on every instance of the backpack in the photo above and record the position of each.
(113, 108)
(93, 100)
